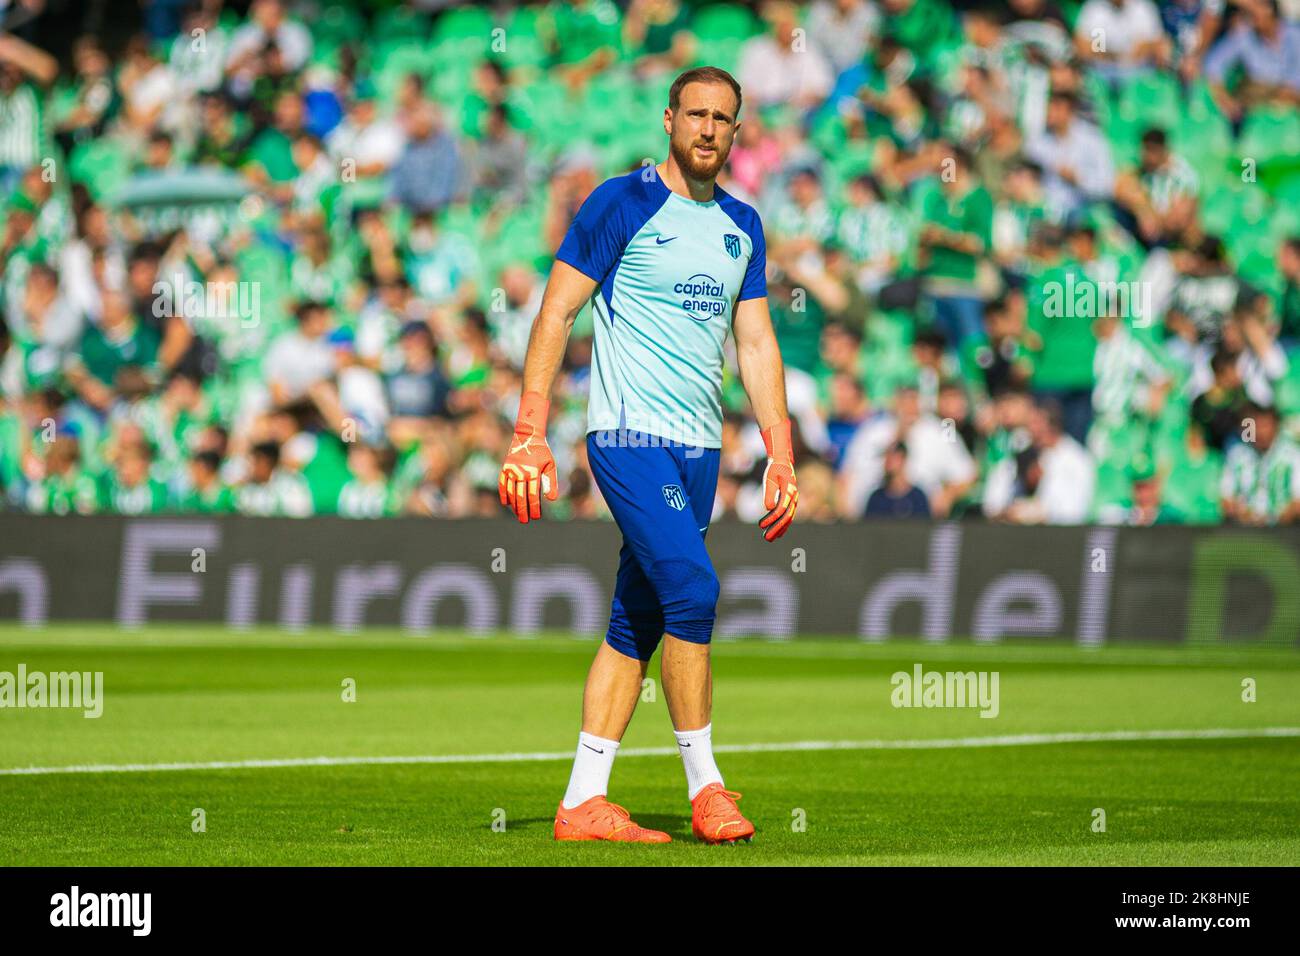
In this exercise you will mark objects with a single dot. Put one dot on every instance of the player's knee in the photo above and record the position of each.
(636, 639)
(635, 625)
(689, 594)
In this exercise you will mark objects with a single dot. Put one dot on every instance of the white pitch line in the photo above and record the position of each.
(795, 746)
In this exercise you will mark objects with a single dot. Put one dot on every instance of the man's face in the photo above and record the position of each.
(1261, 18)
(703, 128)
(133, 468)
(315, 323)
(201, 474)
(1265, 431)
(907, 405)
(1146, 493)
(952, 404)
(269, 15)
(260, 468)
(1059, 113)
(1153, 156)
(895, 462)
(1011, 410)
(288, 112)
(804, 189)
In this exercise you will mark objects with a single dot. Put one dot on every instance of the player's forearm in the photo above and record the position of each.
(763, 376)
(546, 344)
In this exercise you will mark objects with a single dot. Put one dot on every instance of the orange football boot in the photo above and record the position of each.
(598, 819)
(715, 818)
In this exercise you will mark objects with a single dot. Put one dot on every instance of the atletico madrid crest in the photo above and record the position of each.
(674, 496)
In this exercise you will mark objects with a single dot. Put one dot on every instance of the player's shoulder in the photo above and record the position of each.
(632, 188)
(622, 203)
(742, 213)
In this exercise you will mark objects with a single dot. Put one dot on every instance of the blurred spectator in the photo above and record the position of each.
(1288, 307)
(843, 30)
(270, 491)
(897, 497)
(1161, 194)
(958, 218)
(1120, 36)
(428, 173)
(1073, 154)
(23, 70)
(780, 67)
(1058, 477)
(1261, 474)
(1267, 49)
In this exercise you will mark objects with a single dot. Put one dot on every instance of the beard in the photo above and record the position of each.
(692, 166)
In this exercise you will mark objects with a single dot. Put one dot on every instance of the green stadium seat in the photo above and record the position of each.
(524, 46)
(401, 22)
(465, 24)
(724, 22)
(1269, 135)
(339, 23)
(394, 61)
(1152, 99)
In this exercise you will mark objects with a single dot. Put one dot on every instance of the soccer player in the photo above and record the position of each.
(669, 261)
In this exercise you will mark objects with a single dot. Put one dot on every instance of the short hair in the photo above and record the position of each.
(1154, 137)
(702, 74)
(1222, 360)
(267, 449)
(208, 459)
(1260, 410)
(1054, 414)
(931, 337)
(304, 310)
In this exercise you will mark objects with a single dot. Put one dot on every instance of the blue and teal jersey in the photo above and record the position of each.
(670, 272)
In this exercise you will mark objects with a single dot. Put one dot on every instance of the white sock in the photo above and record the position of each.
(696, 748)
(591, 767)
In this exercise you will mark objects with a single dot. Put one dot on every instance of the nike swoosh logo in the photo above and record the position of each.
(660, 240)
(681, 744)
(593, 749)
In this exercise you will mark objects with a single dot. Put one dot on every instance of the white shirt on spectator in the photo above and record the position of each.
(296, 363)
(842, 37)
(1064, 494)
(293, 40)
(380, 142)
(771, 74)
(1085, 151)
(1120, 26)
(934, 459)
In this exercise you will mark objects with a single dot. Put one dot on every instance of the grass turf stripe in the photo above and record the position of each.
(937, 743)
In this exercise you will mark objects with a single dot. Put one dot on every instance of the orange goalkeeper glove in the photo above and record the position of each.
(529, 469)
(780, 493)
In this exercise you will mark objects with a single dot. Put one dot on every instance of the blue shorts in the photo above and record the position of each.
(661, 496)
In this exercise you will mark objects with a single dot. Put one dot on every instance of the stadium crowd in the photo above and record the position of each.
(1036, 261)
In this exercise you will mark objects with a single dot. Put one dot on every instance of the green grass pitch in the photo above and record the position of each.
(200, 694)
